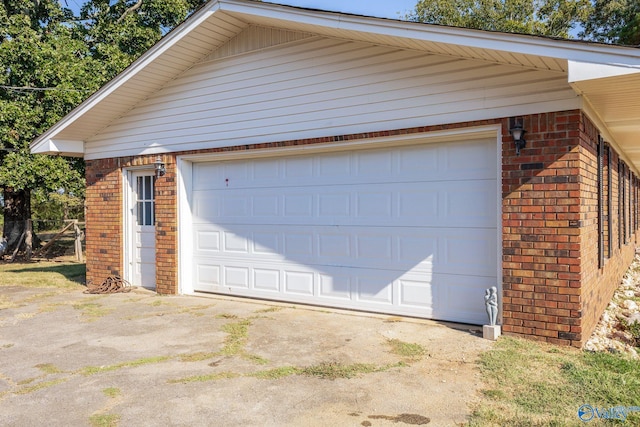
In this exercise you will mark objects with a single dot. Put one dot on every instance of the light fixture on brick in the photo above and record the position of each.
(160, 169)
(517, 132)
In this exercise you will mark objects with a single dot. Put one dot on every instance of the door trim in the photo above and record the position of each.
(128, 218)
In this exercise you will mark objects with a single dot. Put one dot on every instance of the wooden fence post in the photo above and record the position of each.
(78, 242)
(28, 240)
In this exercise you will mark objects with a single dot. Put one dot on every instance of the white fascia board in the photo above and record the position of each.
(517, 43)
(581, 71)
(63, 147)
(145, 59)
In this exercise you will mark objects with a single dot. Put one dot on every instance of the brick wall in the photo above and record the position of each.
(553, 288)
(598, 282)
(105, 223)
(167, 229)
(541, 230)
(103, 220)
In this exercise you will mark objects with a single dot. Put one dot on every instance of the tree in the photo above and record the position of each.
(553, 18)
(118, 32)
(51, 61)
(46, 71)
(613, 21)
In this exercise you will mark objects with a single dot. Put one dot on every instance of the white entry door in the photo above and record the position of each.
(407, 230)
(143, 230)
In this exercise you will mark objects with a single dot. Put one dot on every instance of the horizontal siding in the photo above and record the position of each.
(323, 87)
(255, 38)
(449, 49)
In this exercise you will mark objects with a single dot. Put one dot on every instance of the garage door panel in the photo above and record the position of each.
(472, 160)
(236, 276)
(334, 285)
(410, 230)
(443, 250)
(207, 277)
(471, 204)
(208, 241)
(462, 204)
(374, 164)
(266, 279)
(376, 247)
(299, 282)
(266, 243)
(469, 252)
(298, 168)
(335, 205)
(456, 294)
(444, 296)
(416, 293)
(375, 289)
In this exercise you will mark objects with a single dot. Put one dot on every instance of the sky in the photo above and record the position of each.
(394, 9)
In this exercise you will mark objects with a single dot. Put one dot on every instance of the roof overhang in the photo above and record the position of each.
(607, 77)
(612, 94)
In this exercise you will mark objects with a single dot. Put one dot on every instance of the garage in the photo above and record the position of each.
(409, 230)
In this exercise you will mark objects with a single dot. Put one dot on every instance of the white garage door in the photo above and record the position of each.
(409, 230)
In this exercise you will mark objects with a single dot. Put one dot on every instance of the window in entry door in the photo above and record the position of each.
(145, 204)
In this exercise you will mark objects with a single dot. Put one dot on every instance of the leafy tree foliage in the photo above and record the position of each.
(50, 61)
(614, 21)
(553, 18)
(46, 71)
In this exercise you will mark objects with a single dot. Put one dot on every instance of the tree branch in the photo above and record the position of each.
(128, 11)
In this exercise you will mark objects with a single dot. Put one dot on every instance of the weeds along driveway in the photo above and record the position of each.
(138, 359)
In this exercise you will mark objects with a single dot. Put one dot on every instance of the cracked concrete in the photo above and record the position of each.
(68, 358)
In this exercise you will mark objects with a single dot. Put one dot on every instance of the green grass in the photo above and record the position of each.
(104, 420)
(255, 359)
(333, 370)
(633, 329)
(111, 392)
(92, 370)
(49, 368)
(410, 351)
(325, 370)
(533, 384)
(226, 316)
(7, 303)
(92, 310)
(43, 275)
(236, 339)
(40, 386)
(277, 373)
(196, 357)
(204, 378)
(269, 310)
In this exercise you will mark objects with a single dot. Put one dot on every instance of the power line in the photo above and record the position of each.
(36, 89)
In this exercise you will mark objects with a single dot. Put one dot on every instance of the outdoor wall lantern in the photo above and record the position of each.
(517, 132)
(160, 169)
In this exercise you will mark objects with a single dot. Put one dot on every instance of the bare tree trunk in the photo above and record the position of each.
(17, 210)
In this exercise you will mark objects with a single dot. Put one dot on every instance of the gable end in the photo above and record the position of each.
(256, 38)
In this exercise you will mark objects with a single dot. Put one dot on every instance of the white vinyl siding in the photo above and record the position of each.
(323, 87)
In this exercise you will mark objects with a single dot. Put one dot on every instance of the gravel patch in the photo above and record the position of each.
(609, 334)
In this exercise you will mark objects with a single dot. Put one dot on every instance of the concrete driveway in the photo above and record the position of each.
(138, 359)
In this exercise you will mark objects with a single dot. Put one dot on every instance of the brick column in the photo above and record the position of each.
(104, 220)
(167, 229)
(541, 229)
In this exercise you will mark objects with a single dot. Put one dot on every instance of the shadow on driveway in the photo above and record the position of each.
(147, 360)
